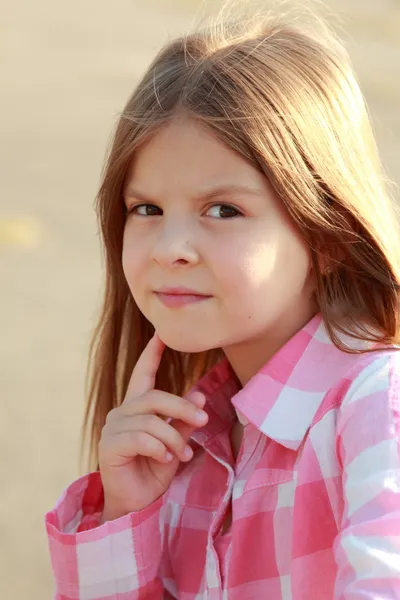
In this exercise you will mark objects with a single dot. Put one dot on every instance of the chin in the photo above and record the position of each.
(189, 344)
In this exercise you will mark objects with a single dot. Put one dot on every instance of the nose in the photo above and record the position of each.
(176, 245)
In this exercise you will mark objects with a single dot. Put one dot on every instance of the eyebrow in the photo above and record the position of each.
(217, 192)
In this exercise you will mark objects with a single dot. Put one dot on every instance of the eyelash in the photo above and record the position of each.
(133, 210)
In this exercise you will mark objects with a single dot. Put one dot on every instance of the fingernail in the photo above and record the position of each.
(201, 416)
(168, 456)
(188, 452)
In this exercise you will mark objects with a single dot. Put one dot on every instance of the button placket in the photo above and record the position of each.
(212, 563)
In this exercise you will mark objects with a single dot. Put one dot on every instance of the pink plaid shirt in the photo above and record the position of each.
(315, 493)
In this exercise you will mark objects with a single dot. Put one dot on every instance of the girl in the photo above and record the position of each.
(250, 448)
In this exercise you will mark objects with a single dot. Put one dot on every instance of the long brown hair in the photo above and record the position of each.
(284, 96)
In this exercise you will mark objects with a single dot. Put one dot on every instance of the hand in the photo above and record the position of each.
(139, 451)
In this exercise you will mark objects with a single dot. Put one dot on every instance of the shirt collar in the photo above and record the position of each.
(282, 399)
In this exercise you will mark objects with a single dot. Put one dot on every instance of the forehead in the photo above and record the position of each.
(185, 155)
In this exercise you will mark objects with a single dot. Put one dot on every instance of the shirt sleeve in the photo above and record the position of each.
(367, 549)
(119, 559)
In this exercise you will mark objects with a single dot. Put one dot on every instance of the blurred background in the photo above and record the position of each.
(67, 69)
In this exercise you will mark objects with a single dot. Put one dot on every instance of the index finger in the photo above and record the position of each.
(144, 373)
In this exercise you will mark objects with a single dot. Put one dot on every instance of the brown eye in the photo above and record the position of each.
(223, 211)
(146, 210)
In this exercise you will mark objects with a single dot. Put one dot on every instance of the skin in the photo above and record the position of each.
(237, 247)
(185, 227)
(139, 452)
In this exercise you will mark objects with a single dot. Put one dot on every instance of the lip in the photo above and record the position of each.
(180, 296)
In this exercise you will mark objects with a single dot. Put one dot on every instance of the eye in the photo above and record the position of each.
(145, 210)
(223, 211)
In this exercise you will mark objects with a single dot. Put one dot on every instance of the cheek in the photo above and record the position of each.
(258, 264)
(132, 260)
(278, 266)
(248, 263)
(126, 261)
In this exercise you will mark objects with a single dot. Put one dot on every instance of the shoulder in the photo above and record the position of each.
(373, 373)
(353, 378)
(370, 406)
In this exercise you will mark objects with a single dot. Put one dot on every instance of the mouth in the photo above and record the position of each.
(176, 297)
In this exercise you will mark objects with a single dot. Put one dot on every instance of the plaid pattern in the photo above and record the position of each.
(315, 493)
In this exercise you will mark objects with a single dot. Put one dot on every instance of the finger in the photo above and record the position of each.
(156, 428)
(144, 374)
(165, 405)
(197, 398)
(128, 444)
(185, 429)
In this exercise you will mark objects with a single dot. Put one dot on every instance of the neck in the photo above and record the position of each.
(248, 357)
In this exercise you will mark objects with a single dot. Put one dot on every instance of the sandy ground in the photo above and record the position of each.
(66, 70)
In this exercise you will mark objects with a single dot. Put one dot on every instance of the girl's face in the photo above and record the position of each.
(202, 218)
